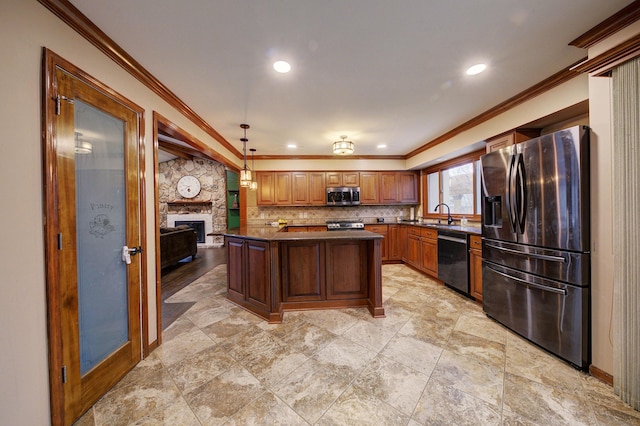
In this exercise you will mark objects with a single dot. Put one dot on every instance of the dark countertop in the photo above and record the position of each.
(270, 233)
(472, 230)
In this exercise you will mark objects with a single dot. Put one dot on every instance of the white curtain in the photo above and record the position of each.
(626, 209)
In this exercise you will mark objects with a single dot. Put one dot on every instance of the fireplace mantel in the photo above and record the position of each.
(179, 203)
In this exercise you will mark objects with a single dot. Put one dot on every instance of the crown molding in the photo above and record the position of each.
(68, 13)
(609, 26)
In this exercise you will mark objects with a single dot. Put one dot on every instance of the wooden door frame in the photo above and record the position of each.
(51, 62)
(195, 148)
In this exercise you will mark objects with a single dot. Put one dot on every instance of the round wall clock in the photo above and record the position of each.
(188, 186)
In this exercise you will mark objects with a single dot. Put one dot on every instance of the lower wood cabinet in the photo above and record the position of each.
(346, 279)
(475, 266)
(394, 251)
(249, 272)
(303, 274)
(429, 246)
(402, 241)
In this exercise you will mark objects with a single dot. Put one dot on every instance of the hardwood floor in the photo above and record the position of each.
(176, 277)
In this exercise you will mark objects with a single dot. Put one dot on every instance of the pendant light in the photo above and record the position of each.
(254, 183)
(343, 147)
(245, 173)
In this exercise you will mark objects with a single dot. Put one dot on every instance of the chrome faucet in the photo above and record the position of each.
(449, 218)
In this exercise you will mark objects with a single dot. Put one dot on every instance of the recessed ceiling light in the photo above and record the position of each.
(291, 145)
(476, 69)
(282, 66)
(382, 145)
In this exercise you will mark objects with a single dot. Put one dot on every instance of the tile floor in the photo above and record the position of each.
(435, 359)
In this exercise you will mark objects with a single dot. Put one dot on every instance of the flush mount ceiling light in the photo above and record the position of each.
(476, 69)
(282, 67)
(343, 147)
(245, 173)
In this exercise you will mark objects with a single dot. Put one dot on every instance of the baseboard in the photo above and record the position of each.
(603, 376)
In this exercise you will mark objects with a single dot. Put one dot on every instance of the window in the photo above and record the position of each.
(455, 183)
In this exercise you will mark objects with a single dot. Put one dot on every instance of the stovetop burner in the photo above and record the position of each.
(336, 225)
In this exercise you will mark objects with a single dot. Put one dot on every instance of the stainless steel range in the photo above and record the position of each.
(344, 225)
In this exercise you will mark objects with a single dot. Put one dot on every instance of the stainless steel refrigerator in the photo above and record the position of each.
(536, 242)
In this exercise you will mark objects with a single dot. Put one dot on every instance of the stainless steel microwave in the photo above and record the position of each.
(343, 196)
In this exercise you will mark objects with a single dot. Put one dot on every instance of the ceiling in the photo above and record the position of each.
(379, 72)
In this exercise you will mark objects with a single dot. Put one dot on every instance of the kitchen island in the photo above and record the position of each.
(270, 272)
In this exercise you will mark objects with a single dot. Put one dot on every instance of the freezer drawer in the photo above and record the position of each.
(554, 315)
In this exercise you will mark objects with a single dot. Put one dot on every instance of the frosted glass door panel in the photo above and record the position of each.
(100, 234)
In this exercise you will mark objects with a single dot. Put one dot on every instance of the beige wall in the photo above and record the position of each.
(26, 26)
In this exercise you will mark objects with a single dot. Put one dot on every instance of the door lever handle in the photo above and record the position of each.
(128, 252)
(135, 250)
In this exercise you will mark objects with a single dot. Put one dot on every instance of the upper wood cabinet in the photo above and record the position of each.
(299, 188)
(511, 138)
(408, 187)
(317, 188)
(369, 188)
(266, 189)
(388, 187)
(283, 188)
(343, 179)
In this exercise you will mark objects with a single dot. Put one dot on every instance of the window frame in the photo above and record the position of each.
(470, 158)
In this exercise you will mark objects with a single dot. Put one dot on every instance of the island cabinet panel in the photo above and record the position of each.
(369, 188)
(234, 267)
(317, 188)
(384, 245)
(346, 270)
(303, 274)
(258, 276)
(388, 187)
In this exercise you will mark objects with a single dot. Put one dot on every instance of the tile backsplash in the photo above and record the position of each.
(309, 215)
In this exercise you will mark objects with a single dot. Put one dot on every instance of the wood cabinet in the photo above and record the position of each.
(343, 179)
(475, 266)
(394, 251)
(388, 187)
(422, 249)
(346, 270)
(414, 251)
(511, 138)
(303, 278)
(408, 187)
(249, 273)
(382, 230)
(283, 188)
(317, 188)
(317, 228)
(299, 188)
(402, 241)
(369, 188)
(266, 189)
(297, 229)
(429, 247)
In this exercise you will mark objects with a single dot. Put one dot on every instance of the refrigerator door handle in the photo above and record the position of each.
(533, 255)
(560, 291)
(521, 193)
(510, 195)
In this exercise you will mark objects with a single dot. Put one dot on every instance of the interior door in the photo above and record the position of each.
(97, 227)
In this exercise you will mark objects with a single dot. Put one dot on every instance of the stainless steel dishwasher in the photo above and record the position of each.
(453, 259)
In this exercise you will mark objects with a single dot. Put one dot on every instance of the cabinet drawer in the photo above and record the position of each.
(429, 233)
(413, 231)
(476, 242)
(379, 229)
